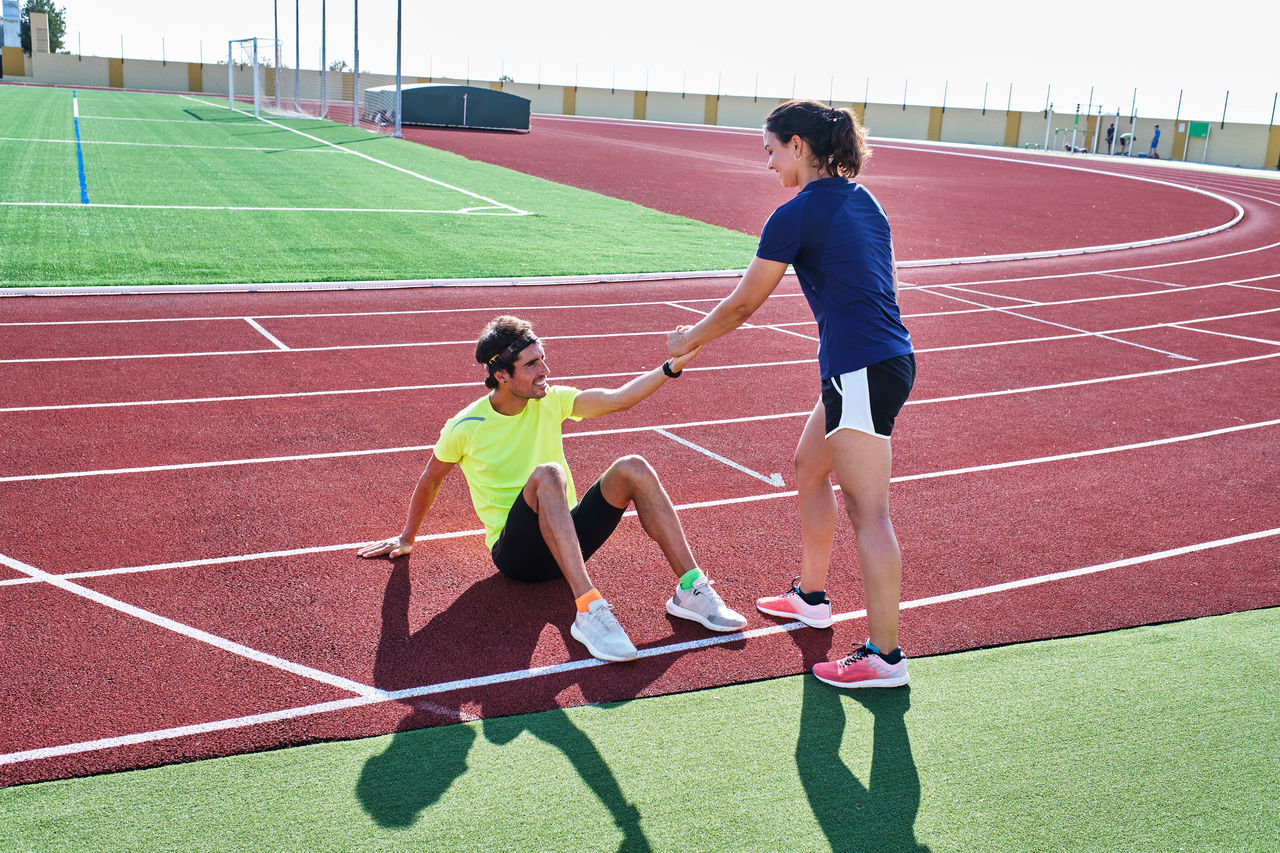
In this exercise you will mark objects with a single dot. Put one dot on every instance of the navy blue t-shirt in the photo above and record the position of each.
(836, 236)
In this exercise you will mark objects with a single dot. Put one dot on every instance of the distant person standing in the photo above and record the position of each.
(1155, 140)
(1111, 138)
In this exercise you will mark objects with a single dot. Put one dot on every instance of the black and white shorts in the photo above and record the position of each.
(869, 399)
(522, 554)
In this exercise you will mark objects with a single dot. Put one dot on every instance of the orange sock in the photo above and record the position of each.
(584, 601)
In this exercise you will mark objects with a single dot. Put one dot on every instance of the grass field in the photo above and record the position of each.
(1115, 742)
(181, 190)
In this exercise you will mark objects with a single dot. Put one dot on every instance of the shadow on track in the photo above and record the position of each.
(493, 626)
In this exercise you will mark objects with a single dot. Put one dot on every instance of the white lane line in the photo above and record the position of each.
(773, 479)
(188, 631)
(1228, 335)
(240, 558)
(718, 502)
(279, 343)
(1146, 280)
(1012, 313)
(568, 379)
(377, 451)
(587, 663)
(632, 374)
(684, 304)
(776, 327)
(221, 463)
(344, 391)
(1081, 382)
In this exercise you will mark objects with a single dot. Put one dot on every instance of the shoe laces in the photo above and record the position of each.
(857, 653)
(795, 588)
(604, 617)
(706, 589)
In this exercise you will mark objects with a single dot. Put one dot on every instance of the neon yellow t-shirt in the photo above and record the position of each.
(498, 452)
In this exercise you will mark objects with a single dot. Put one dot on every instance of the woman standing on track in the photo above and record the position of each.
(837, 237)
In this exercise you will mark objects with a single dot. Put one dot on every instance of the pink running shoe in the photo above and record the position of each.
(790, 605)
(863, 668)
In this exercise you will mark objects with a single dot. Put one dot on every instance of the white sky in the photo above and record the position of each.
(744, 46)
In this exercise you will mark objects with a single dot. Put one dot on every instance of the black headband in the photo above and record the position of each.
(503, 360)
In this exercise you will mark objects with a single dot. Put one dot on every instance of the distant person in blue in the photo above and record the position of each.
(836, 236)
(1155, 140)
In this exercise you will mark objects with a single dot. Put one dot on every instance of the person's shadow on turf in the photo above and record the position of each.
(492, 627)
(879, 815)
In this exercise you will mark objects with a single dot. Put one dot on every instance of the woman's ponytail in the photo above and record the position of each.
(835, 136)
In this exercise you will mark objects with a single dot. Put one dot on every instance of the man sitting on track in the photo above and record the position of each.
(509, 444)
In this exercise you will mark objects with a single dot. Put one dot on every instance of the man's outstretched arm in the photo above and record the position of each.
(595, 402)
(424, 495)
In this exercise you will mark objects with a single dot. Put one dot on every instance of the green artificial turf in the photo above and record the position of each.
(1152, 739)
(334, 215)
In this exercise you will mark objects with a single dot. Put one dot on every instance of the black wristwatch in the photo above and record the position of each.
(666, 368)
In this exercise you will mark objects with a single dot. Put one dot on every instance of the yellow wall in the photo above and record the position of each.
(115, 73)
(570, 100)
(641, 103)
(709, 112)
(935, 124)
(1273, 150)
(15, 62)
(1012, 129)
(195, 77)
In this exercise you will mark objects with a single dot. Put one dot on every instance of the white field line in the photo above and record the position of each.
(709, 504)
(188, 631)
(514, 210)
(466, 211)
(1012, 312)
(168, 145)
(258, 327)
(774, 480)
(571, 666)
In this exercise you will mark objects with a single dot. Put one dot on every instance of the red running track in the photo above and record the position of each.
(1090, 446)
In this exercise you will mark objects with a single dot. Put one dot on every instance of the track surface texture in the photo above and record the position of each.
(1091, 445)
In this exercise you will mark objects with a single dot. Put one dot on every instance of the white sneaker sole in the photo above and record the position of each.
(676, 610)
(873, 682)
(791, 614)
(596, 653)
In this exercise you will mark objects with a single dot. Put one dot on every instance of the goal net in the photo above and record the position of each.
(258, 81)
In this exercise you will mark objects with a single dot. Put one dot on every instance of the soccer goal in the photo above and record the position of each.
(255, 76)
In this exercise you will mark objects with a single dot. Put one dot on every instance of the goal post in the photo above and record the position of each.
(254, 75)
(242, 56)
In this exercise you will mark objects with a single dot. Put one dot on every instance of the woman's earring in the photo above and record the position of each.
(796, 154)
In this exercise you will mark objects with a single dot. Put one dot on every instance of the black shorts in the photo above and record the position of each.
(521, 553)
(869, 399)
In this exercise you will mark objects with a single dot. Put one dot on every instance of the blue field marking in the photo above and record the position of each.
(75, 114)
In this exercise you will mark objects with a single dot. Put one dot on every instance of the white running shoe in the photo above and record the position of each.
(704, 605)
(599, 631)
